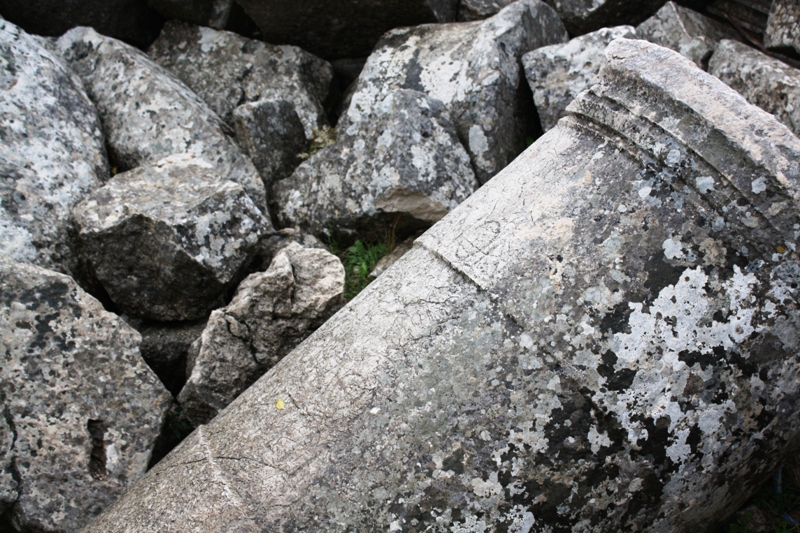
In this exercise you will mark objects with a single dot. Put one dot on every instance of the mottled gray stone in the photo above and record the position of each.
(404, 159)
(166, 240)
(129, 20)
(473, 68)
(685, 31)
(212, 13)
(81, 410)
(346, 28)
(148, 114)
(227, 70)
(52, 151)
(603, 338)
(469, 10)
(557, 73)
(271, 133)
(768, 83)
(783, 26)
(271, 313)
(584, 16)
(270, 245)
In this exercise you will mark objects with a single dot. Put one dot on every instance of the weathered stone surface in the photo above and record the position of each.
(129, 20)
(603, 338)
(167, 239)
(347, 28)
(469, 10)
(783, 26)
(148, 114)
(766, 82)
(559, 72)
(271, 133)
(212, 13)
(270, 245)
(685, 31)
(81, 410)
(52, 150)
(392, 257)
(473, 68)
(272, 312)
(415, 167)
(227, 70)
(584, 16)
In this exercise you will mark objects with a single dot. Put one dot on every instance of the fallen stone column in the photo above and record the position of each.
(602, 338)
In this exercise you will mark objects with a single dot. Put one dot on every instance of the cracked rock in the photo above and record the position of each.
(559, 72)
(687, 32)
(473, 68)
(584, 16)
(271, 313)
(227, 70)
(213, 13)
(148, 114)
(783, 26)
(404, 159)
(342, 29)
(166, 240)
(611, 316)
(768, 83)
(52, 152)
(81, 408)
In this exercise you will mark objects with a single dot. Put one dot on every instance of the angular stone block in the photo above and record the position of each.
(166, 240)
(469, 10)
(783, 26)
(584, 16)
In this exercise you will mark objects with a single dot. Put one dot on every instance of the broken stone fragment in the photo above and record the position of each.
(227, 70)
(148, 114)
(557, 73)
(685, 31)
(603, 338)
(584, 16)
(270, 245)
(80, 409)
(272, 135)
(166, 240)
(469, 10)
(402, 160)
(766, 82)
(212, 13)
(783, 26)
(271, 313)
(52, 152)
(346, 28)
(473, 68)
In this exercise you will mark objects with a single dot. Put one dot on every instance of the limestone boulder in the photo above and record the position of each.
(166, 240)
(469, 10)
(211, 13)
(403, 160)
(766, 82)
(783, 26)
(342, 29)
(81, 409)
(584, 16)
(271, 313)
(148, 114)
(603, 338)
(52, 152)
(557, 73)
(685, 31)
(227, 70)
(471, 67)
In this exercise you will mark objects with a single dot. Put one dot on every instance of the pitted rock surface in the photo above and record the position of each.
(271, 133)
(342, 29)
(766, 82)
(227, 70)
(473, 68)
(212, 13)
(557, 73)
(271, 313)
(81, 409)
(685, 31)
(783, 26)
(52, 152)
(148, 114)
(469, 10)
(584, 16)
(404, 159)
(166, 240)
(603, 338)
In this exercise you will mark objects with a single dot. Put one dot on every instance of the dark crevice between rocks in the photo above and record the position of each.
(6, 518)
(97, 460)
(174, 430)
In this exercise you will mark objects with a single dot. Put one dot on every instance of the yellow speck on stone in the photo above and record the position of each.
(279, 405)
(780, 249)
